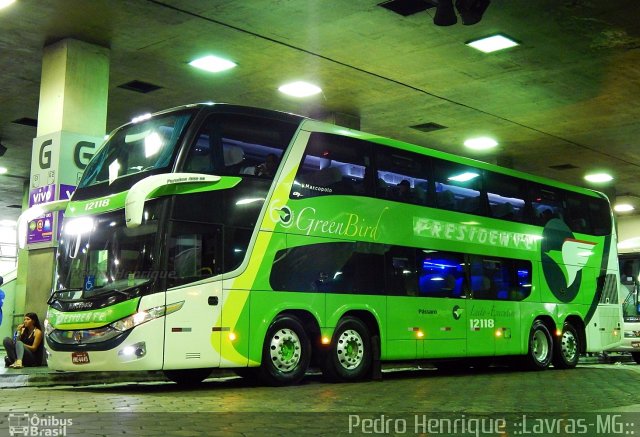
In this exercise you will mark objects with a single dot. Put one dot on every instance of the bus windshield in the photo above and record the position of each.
(140, 146)
(99, 254)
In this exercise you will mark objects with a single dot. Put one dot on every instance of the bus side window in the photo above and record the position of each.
(440, 274)
(505, 195)
(495, 278)
(191, 253)
(458, 187)
(577, 213)
(546, 204)
(332, 165)
(400, 272)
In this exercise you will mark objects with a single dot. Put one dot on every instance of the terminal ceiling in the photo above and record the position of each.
(562, 104)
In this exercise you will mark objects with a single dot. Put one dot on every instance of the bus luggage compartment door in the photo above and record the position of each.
(192, 335)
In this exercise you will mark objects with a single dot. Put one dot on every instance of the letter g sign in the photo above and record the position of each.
(80, 158)
(44, 156)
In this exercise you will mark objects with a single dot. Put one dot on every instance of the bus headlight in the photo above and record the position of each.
(144, 316)
(48, 329)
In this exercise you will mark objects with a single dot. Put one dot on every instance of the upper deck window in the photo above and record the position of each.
(136, 147)
(234, 144)
(334, 165)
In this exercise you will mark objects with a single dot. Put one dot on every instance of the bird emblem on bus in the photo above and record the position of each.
(563, 259)
(572, 258)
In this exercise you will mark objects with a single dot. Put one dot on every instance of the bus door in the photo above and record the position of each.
(496, 285)
(441, 305)
(192, 334)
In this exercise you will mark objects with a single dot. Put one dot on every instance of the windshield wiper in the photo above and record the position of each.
(65, 290)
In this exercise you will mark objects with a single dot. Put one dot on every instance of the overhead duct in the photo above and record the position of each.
(471, 11)
(445, 15)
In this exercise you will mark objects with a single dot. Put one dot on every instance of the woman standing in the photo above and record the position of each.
(27, 349)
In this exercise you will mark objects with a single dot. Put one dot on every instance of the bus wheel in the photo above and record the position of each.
(540, 347)
(286, 352)
(350, 354)
(566, 350)
(187, 376)
(636, 357)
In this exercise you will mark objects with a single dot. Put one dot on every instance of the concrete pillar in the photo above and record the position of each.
(71, 125)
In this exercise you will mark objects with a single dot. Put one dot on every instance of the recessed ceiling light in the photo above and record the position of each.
(481, 143)
(212, 64)
(492, 43)
(3, 170)
(598, 177)
(300, 89)
(5, 3)
(623, 207)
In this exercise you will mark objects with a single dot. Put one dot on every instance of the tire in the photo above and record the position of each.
(286, 352)
(187, 376)
(566, 348)
(636, 357)
(350, 355)
(540, 350)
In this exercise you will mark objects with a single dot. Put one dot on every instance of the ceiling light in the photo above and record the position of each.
(481, 143)
(492, 43)
(300, 89)
(598, 177)
(3, 170)
(212, 64)
(5, 3)
(623, 207)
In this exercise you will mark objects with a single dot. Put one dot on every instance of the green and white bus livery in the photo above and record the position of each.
(177, 253)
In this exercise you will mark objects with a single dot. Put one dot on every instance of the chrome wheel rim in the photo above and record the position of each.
(569, 346)
(350, 349)
(285, 350)
(540, 346)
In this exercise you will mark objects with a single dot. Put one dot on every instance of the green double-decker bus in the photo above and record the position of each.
(220, 236)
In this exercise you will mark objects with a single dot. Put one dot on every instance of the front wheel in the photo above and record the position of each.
(286, 352)
(566, 351)
(636, 357)
(350, 354)
(540, 347)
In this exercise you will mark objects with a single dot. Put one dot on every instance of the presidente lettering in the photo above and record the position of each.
(429, 228)
(353, 225)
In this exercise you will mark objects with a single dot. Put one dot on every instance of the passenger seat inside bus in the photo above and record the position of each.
(233, 157)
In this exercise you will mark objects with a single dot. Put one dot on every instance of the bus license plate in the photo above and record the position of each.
(80, 357)
(635, 344)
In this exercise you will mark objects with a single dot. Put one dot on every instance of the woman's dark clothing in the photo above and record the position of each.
(29, 358)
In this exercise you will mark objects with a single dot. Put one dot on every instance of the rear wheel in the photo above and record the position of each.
(350, 354)
(540, 347)
(566, 348)
(286, 352)
(187, 376)
(636, 356)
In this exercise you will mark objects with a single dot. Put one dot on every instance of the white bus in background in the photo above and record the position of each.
(629, 288)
